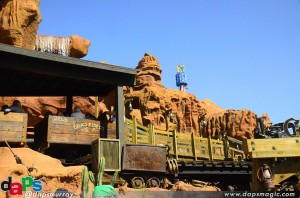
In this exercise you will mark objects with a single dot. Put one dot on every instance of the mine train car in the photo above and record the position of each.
(66, 138)
(150, 155)
(13, 128)
(147, 157)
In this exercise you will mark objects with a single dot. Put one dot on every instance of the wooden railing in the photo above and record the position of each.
(234, 147)
(182, 146)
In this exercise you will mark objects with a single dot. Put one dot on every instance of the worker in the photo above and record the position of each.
(15, 107)
(77, 113)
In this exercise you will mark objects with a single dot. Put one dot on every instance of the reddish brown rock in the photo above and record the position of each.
(150, 72)
(151, 100)
(36, 107)
(79, 46)
(152, 103)
(19, 22)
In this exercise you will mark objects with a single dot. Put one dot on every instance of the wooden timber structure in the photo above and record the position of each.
(181, 145)
(196, 156)
(30, 73)
(281, 154)
(25, 72)
(58, 129)
(13, 127)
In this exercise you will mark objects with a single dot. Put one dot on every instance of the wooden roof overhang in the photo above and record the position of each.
(26, 72)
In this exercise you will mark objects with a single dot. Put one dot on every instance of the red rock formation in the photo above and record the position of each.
(19, 22)
(36, 107)
(151, 103)
(151, 100)
(150, 73)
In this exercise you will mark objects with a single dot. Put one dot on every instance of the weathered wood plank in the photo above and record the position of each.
(13, 117)
(110, 150)
(145, 129)
(134, 130)
(72, 130)
(167, 133)
(13, 127)
(277, 147)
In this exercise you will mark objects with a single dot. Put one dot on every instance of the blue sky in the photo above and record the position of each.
(239, 54)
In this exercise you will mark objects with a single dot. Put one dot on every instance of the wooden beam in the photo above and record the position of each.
(211, 156)
(194, 146)
(287, 168)
(134, 130)
(276, 147)
(120, 116)
(69, 104)
(151, 134)
(96, 107)
(175, 144)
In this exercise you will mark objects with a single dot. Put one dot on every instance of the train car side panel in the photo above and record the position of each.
(75, 130)
(13, 127)
(139, 157)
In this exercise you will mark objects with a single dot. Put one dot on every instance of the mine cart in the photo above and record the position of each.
(66, 137)
(13, 127)
(141, 163)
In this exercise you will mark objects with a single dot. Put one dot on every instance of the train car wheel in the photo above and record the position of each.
(137, 182)
(153, 183)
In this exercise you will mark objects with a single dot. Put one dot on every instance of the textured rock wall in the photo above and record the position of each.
(36, 107)
(19, 22)
(151, 102)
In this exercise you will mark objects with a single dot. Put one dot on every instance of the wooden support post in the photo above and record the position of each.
(134, 130)
(265, 151)
(154, 135)
(120, 116)
(96, 107)
(211, 157)
(226, 148)
(151, 135)
(69, 104)
(175, 144)
(194, 146)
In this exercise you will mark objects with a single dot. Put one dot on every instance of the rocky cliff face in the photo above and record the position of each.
(36, 107)
(153, 103)
(19, 22)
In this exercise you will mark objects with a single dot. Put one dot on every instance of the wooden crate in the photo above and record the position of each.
(13, 127)
(68, 130)
(108, 148)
